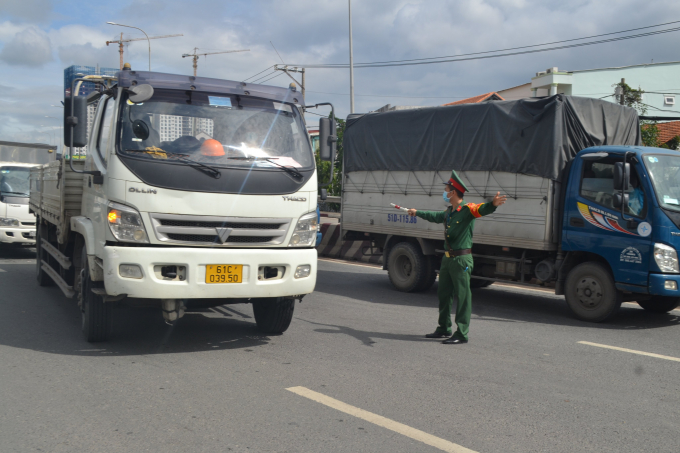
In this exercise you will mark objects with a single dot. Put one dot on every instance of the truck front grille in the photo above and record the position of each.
(219, 231)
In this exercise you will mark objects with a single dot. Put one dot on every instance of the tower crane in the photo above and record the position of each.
(121, 41)
(195, 55)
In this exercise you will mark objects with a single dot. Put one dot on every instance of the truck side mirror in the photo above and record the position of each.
(323, 195)
(140, 93)
(621, 176)
(75, 121)
(327, 139)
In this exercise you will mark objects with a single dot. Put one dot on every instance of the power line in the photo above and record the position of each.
(263, 77)
(279, 74)
(258, 73)
(457, 58)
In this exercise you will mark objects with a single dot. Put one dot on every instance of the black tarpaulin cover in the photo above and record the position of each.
(535, 136)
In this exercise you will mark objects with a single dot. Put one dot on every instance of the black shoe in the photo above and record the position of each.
(437, 335)
(454, 340)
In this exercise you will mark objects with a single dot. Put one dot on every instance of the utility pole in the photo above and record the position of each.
(122, 41)
(195, 55)
(288, 70)
(351, 63)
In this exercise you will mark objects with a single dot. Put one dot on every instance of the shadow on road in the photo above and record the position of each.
(495, 303)
(42, 319)
(367, 338)
(12, 252)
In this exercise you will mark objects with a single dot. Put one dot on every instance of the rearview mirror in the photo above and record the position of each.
(621, 176)
(327, 139)
(75, 122)
(140, 93)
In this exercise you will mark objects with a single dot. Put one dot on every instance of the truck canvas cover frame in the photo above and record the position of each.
(535, 136)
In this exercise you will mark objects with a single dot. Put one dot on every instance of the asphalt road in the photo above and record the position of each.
(213, 383)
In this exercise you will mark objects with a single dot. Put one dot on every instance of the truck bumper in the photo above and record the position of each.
(657, 284)
(153, 285)
(17, 235)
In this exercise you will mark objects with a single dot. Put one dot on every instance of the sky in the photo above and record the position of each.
(39, 38)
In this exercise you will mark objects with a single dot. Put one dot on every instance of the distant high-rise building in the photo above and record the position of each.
(86, 88)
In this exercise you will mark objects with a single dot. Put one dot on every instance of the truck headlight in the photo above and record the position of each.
(6, 221)
(305, 231)
(666, 258)
(126, 223)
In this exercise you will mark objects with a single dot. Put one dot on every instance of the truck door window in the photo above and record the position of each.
(106, 129)
(598, 185)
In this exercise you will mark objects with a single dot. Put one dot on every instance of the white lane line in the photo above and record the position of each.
(632, 351)
(416, 434)
(2, 270)
(331, 260)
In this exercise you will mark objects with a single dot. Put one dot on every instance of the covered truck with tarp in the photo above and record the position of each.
(556, 159)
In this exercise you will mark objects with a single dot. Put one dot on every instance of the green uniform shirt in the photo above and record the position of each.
(460, 222)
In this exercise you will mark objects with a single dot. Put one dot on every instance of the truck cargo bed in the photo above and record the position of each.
(526, 221)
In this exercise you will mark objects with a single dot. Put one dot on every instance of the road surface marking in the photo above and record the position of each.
(416, 434)
(331, 260)
(632, 351)
(2, 270)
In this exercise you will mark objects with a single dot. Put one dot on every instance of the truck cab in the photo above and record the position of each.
(17, 225)
(622, 214)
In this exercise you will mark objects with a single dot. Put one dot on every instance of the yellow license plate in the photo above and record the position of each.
(224, 273)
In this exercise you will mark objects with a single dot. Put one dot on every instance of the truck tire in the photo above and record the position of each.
(407, 267)
(660, 304)
(273, 314)
(40, 254)
(96, 315)
(590, 292)
(430, 274)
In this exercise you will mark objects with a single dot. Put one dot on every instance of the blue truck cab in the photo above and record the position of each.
(620, 230)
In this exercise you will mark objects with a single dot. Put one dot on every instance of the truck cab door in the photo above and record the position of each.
(592, 224)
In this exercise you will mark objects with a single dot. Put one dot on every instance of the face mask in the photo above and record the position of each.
(446, 197)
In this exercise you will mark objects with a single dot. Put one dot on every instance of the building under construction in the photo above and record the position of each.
(77, 71)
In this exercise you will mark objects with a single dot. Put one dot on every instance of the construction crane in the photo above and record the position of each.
(121, 41)
(195, 55)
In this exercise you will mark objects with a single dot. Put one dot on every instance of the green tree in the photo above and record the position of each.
(649, 130)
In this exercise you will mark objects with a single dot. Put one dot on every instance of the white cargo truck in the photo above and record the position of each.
(17, 224)
(192, 189)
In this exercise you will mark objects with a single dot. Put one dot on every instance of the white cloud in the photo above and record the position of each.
(30, 47)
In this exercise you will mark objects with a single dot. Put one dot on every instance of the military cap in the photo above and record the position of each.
(456, 182)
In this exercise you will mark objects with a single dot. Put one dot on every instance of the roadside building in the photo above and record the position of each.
(487, 97)
(659, 81)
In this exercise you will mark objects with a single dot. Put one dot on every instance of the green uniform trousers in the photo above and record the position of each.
(454, 280)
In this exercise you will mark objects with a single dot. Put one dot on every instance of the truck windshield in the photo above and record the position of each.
(216, 130)
(664, 172)
(14, 181)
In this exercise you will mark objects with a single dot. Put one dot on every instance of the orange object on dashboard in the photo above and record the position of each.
(212, 147)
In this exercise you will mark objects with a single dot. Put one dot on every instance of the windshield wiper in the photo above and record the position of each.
(23, 194)
(290, 170)
(207, 169)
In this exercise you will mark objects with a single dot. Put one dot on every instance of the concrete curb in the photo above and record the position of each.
(333, 246)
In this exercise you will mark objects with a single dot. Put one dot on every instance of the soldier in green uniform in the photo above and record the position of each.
(454, 274)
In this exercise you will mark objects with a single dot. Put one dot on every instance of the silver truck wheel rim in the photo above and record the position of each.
(404, 266)
(589, 293)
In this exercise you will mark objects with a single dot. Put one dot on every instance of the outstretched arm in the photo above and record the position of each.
(430, 216)
(479, 210)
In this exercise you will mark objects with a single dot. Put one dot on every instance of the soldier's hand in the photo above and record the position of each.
(412, 212)
(499, 199)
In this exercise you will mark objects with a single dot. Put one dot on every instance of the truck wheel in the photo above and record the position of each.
(407, 267)
(273, 314)
(660, 304)
(40, 254)
(430, 274)
(96, 315)
(590, 292)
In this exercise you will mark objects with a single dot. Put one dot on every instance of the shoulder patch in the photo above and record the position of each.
(474, 209)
